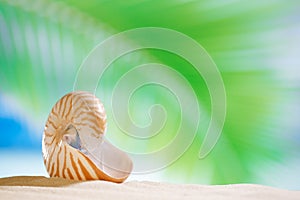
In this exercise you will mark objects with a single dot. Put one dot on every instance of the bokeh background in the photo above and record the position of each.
(255, 45)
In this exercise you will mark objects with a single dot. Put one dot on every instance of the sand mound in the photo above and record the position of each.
(42, 188)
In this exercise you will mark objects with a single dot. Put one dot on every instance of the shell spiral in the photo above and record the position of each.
(73, 142)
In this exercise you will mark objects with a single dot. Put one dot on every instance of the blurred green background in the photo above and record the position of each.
(255, 45)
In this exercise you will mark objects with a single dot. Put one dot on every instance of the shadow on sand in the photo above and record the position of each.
(38, 181)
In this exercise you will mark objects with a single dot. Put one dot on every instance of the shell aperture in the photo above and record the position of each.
(74, 146)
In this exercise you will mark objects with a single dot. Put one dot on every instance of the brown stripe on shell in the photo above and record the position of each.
(69, 173)
(75, 167)
(85, 172)
(56, 174)
(65, 162)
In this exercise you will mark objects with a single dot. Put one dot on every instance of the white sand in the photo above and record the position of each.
(42, 188)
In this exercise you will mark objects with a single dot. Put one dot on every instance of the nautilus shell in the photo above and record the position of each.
(74, 146)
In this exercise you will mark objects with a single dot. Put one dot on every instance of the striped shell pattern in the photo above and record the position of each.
(74, 146)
